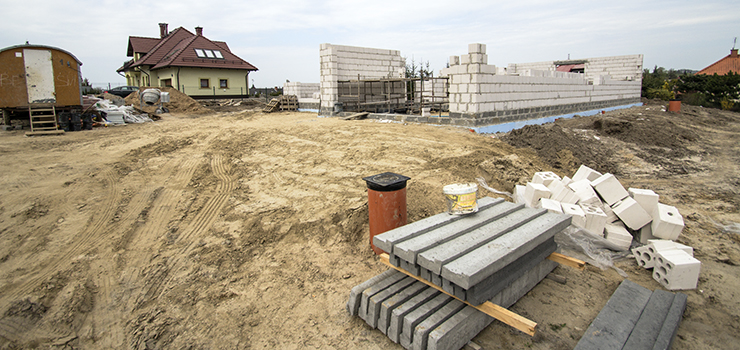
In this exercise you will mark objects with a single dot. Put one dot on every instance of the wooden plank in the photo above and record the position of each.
(568, 261)
(356, 116)
(512, 319)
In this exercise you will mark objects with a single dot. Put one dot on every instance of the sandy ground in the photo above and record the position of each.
(246, 230)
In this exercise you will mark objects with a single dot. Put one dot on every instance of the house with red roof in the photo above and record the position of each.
(730, 63)
(191, 63)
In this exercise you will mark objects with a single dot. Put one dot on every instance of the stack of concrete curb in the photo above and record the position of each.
(599, 204)
(673, 264)
(497, 254)
(635, 318)
(420, 317)
(475, 256)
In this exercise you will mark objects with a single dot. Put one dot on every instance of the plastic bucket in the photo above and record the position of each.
(461, 198)
(674, 106)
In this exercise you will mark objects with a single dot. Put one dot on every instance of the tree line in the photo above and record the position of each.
(715, 91)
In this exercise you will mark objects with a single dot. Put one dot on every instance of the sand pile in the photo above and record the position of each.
(179, 102)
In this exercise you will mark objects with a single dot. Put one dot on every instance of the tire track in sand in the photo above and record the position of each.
(82, 242)
(162, 273)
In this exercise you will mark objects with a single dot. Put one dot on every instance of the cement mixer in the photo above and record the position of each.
(151, 96)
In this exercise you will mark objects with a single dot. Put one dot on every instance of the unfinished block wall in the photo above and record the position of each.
(627, 67)
(301, 90)
(480, 95)
(307, 93)
(343, 63)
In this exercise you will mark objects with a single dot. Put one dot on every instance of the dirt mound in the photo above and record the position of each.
(179, 102)
(117, 100)
(565, 150)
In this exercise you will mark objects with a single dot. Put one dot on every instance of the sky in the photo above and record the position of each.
(282, 38)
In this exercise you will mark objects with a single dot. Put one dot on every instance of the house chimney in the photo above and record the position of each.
(733, 53)
(199, 31)
(163, 30)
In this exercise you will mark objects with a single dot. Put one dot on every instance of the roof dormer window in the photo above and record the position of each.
(203, 53)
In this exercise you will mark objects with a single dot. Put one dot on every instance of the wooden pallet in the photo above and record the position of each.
(272, 106)
(288, 103)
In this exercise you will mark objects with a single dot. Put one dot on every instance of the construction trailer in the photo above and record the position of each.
(38, 82)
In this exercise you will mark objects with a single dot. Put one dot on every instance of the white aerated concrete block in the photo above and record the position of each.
(579, 217)
(562, 193)
(676, 270)
(617, 234)
(519, 194)
(595, 218)
(552, 206)
(534, 192)
(609, 188)
(610, 216)
(476, 48)
(647, 254)
(667, 222)
(647, 198)
(631, 213)
(645, 234)
(584, 192)
(566, 181)
(545, 177)
(586, 173)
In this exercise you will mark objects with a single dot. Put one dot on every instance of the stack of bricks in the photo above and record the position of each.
(343, 63)
(308, 93)
(497, 254)
(481, 95)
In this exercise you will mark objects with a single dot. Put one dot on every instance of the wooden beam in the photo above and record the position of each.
(512, 319)
(568, 261)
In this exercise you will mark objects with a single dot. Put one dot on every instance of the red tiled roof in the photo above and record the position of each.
(178, 49)
(140, 44)
(183, 55)
(730, 63)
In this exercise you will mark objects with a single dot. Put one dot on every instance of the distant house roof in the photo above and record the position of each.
(179, 48)
(730, 63)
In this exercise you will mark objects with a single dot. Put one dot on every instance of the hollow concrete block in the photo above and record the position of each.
(586, 173)
(667, 222)
(533, 192)
(545, 177)
(584, 191)
(617, 234)
(676, 269)
(595, 218)
(575, 211)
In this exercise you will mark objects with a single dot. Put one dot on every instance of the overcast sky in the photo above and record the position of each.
(282, 38)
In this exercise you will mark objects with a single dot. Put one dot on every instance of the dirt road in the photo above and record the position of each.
(247, 230)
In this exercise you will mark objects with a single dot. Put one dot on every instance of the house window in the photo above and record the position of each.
(205, 83)
(203, 53)
(165, 82)
(223, 83)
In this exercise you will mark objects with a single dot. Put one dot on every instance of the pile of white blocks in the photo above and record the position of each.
(600, 204)
(673, 264)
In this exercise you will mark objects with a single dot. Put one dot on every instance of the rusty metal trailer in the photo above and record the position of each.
(38, 81)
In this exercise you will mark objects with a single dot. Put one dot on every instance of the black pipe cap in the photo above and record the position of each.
(386, 182)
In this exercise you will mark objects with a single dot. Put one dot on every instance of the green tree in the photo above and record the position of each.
(717, 91)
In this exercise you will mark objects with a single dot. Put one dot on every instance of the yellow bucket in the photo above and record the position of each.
(461, 198)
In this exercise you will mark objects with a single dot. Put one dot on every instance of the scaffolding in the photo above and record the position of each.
(394, 95)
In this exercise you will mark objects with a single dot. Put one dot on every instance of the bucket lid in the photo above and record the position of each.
(460, 188)
(386, 182)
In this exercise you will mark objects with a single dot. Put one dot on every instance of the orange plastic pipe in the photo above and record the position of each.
(387, 210)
